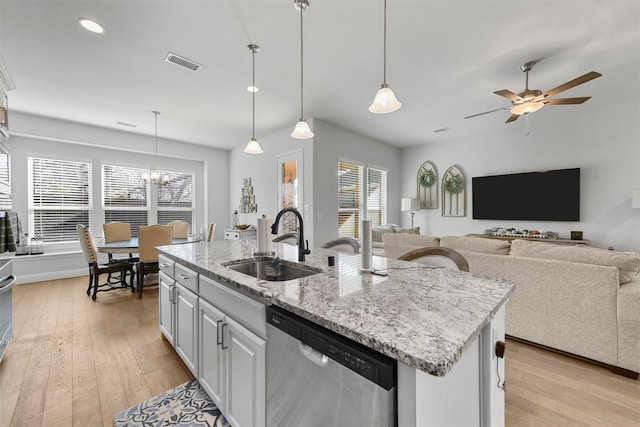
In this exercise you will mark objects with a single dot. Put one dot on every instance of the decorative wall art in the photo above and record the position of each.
(248, 200)
(427, 183)
(453, 193)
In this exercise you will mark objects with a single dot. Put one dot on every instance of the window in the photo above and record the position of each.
(59, 198)
(352, 202)
(377, 196)
(175, 200)
(124, 196)
(350, 207)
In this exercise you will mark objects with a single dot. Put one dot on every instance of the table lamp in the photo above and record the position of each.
(411, 205)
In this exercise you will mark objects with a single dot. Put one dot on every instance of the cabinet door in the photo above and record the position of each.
(186, 327)
(246, 375)
(166, 307)
(211, 372)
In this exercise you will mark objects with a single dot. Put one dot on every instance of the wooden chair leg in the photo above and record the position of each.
(90, 281)
(96, 280)
(140, 279)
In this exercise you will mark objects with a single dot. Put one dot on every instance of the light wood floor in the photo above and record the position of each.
(76, 362)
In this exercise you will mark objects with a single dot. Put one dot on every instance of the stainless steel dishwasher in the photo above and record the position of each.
(316, 377)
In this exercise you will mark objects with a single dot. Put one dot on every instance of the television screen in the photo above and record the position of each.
(542, 196)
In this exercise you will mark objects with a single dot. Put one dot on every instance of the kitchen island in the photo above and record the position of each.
(440, 325)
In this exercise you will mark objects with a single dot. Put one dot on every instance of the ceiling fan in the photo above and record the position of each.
(531, 100)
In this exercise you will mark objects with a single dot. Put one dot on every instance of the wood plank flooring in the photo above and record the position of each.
(75, 362)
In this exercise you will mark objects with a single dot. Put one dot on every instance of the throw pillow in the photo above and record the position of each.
(628, 263)
(377, 232)
(476, 244)
(415, 230)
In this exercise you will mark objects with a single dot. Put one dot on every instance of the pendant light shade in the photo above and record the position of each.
(253, 146)
(302, 130)
(385, 100)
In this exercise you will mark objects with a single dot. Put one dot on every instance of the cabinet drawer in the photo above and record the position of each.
(186, 277)
(249, 312)
(231, 235)
(165, 265)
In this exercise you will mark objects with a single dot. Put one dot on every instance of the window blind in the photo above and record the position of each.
(59, 198)
(125, 197)
(175, 199)
(350, 178)
(6, 203)
(377, 196)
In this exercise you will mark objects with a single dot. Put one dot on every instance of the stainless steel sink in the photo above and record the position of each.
(264, 268)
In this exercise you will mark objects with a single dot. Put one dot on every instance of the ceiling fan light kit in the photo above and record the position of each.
(385, 100)
(531, 100)
(302, 130)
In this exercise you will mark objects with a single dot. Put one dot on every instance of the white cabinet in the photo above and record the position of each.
(234, 234)
(166, 286)
(186, 327)
(232, 357)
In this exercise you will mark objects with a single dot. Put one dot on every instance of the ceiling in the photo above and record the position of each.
(444, 60)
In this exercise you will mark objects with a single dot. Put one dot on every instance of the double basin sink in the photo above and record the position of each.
(271, 269)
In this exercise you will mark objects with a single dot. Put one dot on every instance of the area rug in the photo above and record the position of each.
(185, 405)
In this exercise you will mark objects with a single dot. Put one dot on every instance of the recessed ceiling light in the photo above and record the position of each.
(253, 89)
(91, 25)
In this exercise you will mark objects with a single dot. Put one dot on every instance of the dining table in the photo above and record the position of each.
(131, 246)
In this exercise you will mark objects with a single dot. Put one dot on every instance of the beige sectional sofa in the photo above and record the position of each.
(576, 299)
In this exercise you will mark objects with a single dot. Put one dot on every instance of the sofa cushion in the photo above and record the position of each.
(377, 232)
(476, 244)
(398, 244)
(628, 263)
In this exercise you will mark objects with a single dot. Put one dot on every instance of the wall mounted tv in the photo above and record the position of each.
(541, 196)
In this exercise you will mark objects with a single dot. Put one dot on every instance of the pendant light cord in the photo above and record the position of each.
(253, 94)
(384, 55)
(301, 65)
(155, 166)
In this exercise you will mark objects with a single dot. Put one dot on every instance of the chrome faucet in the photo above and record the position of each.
(303, 246)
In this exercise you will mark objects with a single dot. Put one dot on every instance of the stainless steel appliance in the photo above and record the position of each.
(316, 377)
(7, 281)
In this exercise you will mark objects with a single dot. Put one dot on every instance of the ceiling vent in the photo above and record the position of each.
(183, 62)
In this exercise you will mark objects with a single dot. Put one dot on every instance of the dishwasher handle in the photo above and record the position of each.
(313, 355)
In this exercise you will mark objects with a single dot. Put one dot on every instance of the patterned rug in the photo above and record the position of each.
(185, 405)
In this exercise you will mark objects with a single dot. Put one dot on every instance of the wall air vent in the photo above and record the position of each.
(183, 62)
(444, 129)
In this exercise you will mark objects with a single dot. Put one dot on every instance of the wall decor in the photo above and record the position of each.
(427, 180)
(248, 200)
(453, 192)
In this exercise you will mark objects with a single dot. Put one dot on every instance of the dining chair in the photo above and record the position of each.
(148, 238)
(180, 229)
(343, 244)
(118, 232)
(211, 232)
(437, 257)
(96, 269)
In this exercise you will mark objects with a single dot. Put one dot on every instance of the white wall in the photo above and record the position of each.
(263, 171)
(332, 144)
(603, 143)
(39, 136)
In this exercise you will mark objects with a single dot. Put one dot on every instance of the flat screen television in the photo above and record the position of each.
(541, 196)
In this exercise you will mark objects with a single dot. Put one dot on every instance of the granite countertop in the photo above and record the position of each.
(421, 316)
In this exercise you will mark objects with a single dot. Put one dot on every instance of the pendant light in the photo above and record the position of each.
(253, 146)
(155, 173)
(302, 129)
(385, 100)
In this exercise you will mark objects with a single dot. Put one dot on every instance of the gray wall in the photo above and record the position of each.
(604, 143)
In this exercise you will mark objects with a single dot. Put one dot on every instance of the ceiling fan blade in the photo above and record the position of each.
(487, 112)
(512, 118)
(568, 85)
(509, 95)
(565, 101)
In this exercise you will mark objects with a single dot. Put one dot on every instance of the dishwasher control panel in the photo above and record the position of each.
(366, 362)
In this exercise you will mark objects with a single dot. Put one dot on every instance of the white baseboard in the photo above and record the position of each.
(52, 275)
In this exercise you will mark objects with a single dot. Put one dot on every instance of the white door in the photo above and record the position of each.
(186, 332)
(290, 188)
(246, 376)
(211, 372)
(166, 306)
